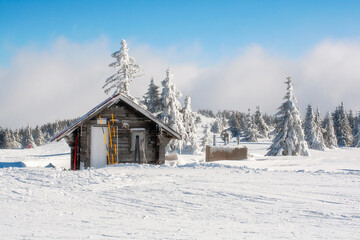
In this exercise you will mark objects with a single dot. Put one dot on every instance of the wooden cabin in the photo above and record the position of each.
(117, 131)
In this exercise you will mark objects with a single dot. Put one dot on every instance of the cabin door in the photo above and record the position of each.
(98, 149)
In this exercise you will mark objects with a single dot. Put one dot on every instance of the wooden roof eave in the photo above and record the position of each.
(108, 103)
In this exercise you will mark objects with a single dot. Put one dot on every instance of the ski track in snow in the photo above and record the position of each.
(182, 202)
(259, 198)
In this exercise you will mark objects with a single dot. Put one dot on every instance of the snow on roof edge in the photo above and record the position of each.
(109, 102)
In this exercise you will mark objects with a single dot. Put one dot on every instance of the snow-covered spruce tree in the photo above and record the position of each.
(18, 137)
(356, 131)
(235, 123)
(190, 141)
(352, 120)
(251, 133)
(152, 97)
(356, 124)
(217, 126)
(329, 133)
(342, 127)
(313, 132)
(318, 119)
(10, 141)
(206, 139)
(28, 140)
(289, 139)
(2, 137)
(260, 123)
(39, 137)
(171, 110)
(126, 72)
(16, 141)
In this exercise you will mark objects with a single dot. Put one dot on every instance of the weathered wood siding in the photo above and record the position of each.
(155, 139)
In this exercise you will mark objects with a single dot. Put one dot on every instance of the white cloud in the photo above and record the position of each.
(65, 79)
(330, 73)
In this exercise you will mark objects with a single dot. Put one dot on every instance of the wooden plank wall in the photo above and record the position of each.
(155, 139)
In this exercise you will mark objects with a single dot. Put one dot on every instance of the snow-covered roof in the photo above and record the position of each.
(108, 103)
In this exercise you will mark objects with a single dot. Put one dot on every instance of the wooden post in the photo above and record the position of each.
(238, 140)
(214, 140)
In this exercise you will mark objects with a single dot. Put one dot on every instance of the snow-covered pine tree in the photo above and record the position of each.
(289, 139)
(57, 128)
(28, 140)
(224, 122)
(235, 123)
(39, 137)
(2, 137)
(313, 132)
(251, 133)
(18, 137)
(342, 127)
(329, 133)
(260, 123)
(171, 110)
(190, 140)
(8, 140)
(356, 124)
(152, 97)
(356, 131)
(206, 139)
(197, 119)
(217, 126)
(318, 119)
(127, 70)
(352, 120)
(319, 123)
(15, 139)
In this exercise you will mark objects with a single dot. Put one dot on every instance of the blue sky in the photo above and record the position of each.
(224, 54)
(283, 27)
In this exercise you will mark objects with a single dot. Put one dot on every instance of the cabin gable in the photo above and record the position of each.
(124, 121)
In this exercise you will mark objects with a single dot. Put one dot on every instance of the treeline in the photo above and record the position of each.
(237, 122)
(339, 128)
(27, 137)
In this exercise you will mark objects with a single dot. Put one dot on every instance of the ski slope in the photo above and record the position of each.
(260, 198)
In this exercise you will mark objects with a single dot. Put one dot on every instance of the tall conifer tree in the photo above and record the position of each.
(329, 133)
(190, 140)
(171, 110)
(127, 71)
(152, 98)
(260, 123)
(313, 130)
(289, 139)
(343, 130)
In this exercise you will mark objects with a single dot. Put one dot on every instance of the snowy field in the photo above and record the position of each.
(259, 198)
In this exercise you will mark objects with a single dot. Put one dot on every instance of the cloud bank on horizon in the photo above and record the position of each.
(64, 80)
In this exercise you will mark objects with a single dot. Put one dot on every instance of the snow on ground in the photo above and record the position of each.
(259, 198)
